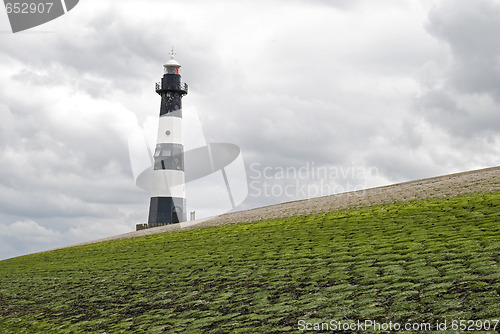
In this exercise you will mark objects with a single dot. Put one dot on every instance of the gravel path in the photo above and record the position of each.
(483, 180)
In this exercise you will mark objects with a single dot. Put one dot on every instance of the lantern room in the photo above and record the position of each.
(171, 67)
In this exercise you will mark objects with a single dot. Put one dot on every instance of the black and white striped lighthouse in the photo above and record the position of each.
(168, 199)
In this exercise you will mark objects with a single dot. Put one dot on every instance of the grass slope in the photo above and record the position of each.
(420, 261)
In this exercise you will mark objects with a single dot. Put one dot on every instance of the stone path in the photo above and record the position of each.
(485, 180)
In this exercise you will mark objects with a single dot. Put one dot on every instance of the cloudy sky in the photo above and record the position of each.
(321, 97)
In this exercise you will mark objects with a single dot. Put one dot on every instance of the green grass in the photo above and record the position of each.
(420, 261)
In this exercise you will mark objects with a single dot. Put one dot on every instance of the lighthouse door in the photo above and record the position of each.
(176, 212)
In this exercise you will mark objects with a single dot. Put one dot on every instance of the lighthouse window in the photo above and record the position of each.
(157, 151)
(173, 70)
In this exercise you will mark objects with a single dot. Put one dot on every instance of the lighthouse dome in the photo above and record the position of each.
(172, 62)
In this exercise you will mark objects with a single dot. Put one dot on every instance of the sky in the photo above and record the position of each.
(320, 96)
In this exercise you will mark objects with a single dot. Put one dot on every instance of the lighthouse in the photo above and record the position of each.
(168, 199)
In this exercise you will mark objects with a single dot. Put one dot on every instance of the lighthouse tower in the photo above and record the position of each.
(168, 197)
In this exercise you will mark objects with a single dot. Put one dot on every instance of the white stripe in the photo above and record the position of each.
(64, 6)
(168, 183)
(174, 127)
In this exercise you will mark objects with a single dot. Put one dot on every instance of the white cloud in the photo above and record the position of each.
(97, 229)
(29, 231)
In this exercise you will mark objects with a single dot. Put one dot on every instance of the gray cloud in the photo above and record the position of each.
(296, 85)
(462, 95)
(470, 29)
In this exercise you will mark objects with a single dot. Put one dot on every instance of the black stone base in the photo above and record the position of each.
(166, 210)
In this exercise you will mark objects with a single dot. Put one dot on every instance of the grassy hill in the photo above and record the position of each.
(420, 261)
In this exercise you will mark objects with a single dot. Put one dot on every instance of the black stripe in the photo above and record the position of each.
(169, 156)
